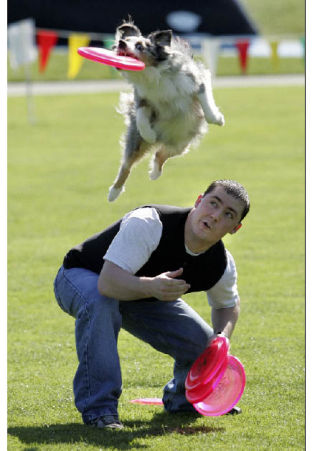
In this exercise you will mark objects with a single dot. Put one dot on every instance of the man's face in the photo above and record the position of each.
(214, 215)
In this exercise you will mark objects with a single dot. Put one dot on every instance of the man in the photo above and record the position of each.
(132, 275)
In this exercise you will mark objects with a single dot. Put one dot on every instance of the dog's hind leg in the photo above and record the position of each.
(157, 163)
(161, 157)
(118, 186)
(134, 150)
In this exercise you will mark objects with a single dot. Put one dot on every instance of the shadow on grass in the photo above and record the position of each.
(161, 424)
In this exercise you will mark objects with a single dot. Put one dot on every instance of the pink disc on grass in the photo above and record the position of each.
(150, 401)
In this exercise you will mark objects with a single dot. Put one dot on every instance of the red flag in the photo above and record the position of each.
(46, 40)
(243, 46)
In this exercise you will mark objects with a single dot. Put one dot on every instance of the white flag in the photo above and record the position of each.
(210, 48)
(21, 43)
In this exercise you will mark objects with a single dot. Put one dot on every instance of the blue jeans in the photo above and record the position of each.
(173, 328)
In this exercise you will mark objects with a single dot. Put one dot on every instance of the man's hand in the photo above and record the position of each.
(167, 286)
(116, 283)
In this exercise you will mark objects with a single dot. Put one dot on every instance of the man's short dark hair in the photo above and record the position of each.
(235, 189)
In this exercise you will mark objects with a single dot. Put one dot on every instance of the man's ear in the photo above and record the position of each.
(199, 199)
(236, 228)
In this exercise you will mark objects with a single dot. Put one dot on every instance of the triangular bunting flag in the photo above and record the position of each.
(46, 41)
(274, 54)
(75, 60)
(243, 46)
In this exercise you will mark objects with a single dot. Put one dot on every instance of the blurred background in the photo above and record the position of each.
(232, 36)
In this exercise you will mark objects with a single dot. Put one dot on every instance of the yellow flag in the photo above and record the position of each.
(75, 60)
(274, 54)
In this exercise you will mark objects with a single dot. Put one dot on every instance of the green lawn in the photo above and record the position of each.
(59, 171)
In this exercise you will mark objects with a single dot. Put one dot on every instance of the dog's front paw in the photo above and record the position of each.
(215, 118)
(114, 193)
(220, 120)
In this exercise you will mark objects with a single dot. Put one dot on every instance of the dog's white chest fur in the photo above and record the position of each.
(174, 91)
(172, 107)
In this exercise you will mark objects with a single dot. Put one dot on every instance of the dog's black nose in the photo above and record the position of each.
(122, 44)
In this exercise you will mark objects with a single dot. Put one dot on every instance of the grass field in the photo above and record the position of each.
(59, 171)
(273, 17)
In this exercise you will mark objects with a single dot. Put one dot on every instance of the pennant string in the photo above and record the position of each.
(47, 39)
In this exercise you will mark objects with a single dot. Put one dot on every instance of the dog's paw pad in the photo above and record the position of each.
(114, 193)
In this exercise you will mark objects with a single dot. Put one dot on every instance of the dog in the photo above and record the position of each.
(171, 102)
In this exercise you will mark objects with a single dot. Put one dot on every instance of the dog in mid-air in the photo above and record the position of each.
(171, 103)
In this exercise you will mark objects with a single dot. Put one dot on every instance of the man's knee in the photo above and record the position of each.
(105, 310)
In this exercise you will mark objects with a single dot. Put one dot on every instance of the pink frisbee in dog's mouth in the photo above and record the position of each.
(104, 56)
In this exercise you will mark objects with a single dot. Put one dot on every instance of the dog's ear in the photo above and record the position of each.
(161, 37)
(127, 29)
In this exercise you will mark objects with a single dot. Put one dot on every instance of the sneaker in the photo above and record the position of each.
(106, 421)
(234, 411)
